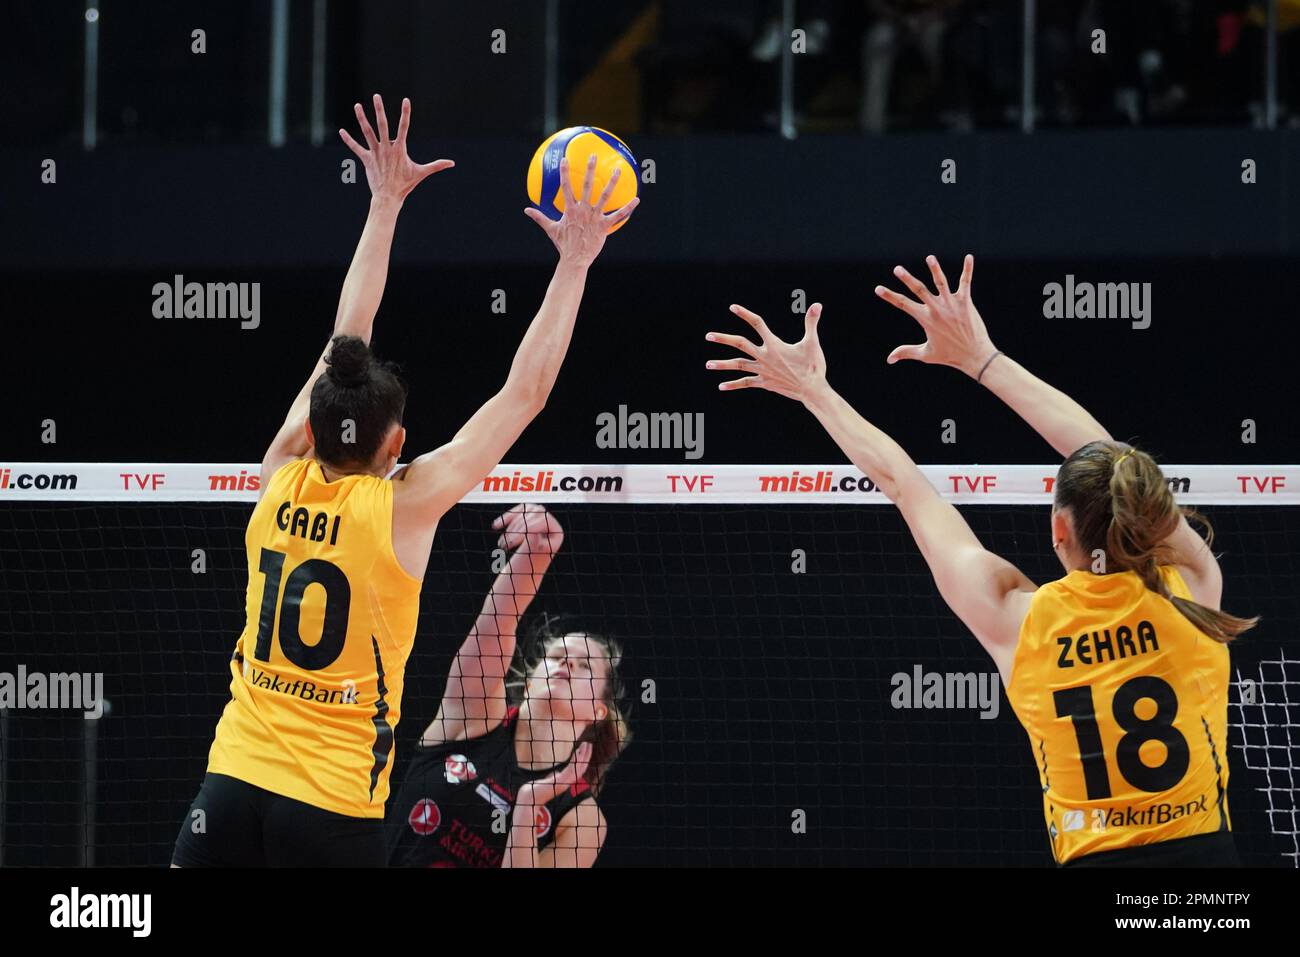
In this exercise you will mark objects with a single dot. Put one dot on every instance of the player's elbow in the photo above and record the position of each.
(535, 402)
(529, 384)
(528, 398)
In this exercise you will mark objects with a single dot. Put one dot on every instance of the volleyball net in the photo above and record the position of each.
(799, 693)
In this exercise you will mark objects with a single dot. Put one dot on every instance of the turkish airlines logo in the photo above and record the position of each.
(542, 821)
(424, 817)
(458, 769)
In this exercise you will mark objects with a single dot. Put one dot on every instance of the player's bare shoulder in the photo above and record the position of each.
(414, 488)
(415, 521)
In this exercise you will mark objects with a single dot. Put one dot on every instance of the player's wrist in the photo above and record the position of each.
(981, 362)
(573, 264)
(816, 394)
(575, 254)
(385, 203)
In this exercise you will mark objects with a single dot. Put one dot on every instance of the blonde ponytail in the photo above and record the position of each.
(1120, 502)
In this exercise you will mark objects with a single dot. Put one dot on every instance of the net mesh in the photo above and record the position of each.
(1265, 705)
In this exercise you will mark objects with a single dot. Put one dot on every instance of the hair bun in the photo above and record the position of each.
(348, 362)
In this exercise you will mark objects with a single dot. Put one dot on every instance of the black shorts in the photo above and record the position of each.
(1201, 850)
(246, 826)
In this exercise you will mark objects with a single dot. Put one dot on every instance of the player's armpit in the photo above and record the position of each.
(290, 441)
(1196, 563)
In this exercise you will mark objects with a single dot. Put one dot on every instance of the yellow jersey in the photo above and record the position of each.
(1126, 705)
(317, 674)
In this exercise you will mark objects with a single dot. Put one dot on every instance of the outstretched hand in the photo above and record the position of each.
(954, 332)
(390, 171)
(791, 369)
(580, 233)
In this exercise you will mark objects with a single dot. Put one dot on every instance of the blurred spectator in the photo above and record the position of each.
(983, 64)
(700, 74)
(879, 65)
(897, 26)
(1165, 61)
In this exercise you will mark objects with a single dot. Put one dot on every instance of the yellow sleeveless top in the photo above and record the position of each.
(316, 677)
(1126, 705)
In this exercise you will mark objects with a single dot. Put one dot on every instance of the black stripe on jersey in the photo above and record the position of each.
(1218, 774)
(383, 732)
(1047, 786)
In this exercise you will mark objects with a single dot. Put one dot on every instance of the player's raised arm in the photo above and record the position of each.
(955, 335)
(474, 701)
(439, 479)
(391, 174)
(988, 593)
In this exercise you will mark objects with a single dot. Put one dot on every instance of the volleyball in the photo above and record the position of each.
(578, 143)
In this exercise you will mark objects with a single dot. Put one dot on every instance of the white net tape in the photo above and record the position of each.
(647, 484)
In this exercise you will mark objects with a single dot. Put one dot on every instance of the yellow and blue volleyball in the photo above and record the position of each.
(578, 143)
